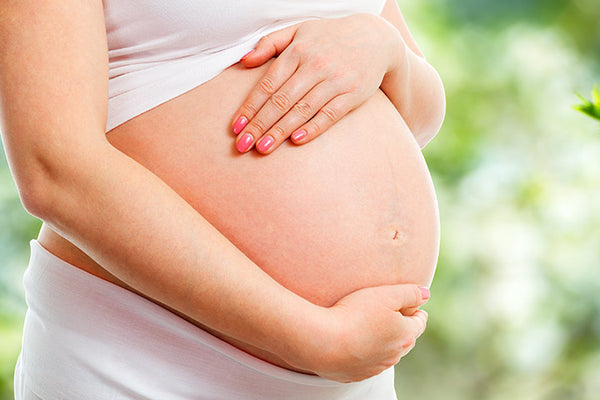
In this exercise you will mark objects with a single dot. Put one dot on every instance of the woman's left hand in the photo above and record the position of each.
(324, 69)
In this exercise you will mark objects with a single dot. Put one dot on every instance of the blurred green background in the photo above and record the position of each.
(515, 310)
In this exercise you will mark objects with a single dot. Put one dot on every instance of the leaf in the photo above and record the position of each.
(590, 108)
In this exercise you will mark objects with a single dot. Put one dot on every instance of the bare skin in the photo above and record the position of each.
(326, 68)
(146, 236)
(353, 210)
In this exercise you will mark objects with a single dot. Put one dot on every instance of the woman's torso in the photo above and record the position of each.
(352, 209)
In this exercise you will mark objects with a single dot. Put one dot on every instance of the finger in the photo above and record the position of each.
(422, 317)
(407, 348)
(270, 46)
(278, 106)
(409, 311)
(398, 297)
(277, 74)
(301, 112)
(327, 116)
(413, 328)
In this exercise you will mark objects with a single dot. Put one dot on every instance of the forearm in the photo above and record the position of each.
(53, 94)
(137, 228)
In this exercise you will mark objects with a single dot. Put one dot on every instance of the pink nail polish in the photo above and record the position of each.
(298, 135)
(244, 143)
(247, 54)
(425, 293)
(265, 143)
(240, 124)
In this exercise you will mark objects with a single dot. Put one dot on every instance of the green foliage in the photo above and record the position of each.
(514, 312)
(590, 108)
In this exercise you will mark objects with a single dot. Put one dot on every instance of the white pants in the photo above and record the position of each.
(86, 338)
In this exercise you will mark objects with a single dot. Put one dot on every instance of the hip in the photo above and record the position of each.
(87, 338)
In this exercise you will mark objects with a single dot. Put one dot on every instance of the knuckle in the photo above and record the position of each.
(339, 75)
(258, 125)
(320, 63)
(330, 113)
(408, 343)
(281, 101)
(249, 109)
(277, 132)
(313, 127)
(299, 49)
(267, 85)
(404, 353)
(304, 109)
(418, 329)
(353, 85)
(264, 40)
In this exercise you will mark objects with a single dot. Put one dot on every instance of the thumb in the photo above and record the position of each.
(270, 46)
(403, 297)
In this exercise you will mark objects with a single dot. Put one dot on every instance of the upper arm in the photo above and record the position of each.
(53, 82)
(391, 12)
(417, 92)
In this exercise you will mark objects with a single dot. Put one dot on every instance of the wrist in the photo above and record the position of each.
(311, 345)
(395, 47)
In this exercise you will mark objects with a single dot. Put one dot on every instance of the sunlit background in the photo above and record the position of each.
(515, 309)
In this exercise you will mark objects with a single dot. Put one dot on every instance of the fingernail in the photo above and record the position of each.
(244, 143)
(265, 143)
(247, 54)
(298, 135)
(240, 124)
(425, 293)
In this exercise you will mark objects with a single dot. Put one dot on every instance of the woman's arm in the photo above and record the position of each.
(53, 98)
(412, 84)
(326, 68)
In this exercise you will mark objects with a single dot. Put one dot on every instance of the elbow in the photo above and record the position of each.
(50, 181)
(52, 186)
(40, 177)
(35, 194)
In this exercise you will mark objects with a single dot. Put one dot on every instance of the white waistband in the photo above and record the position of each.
(85, 337)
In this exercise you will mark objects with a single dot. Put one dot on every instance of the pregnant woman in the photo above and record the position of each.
(176, 261)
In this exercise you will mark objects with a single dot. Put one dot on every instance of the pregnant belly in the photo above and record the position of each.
(353, 208)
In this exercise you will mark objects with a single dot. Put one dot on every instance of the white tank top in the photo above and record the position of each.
(159, 49)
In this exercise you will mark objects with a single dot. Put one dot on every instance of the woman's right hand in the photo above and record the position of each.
(367, 332)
